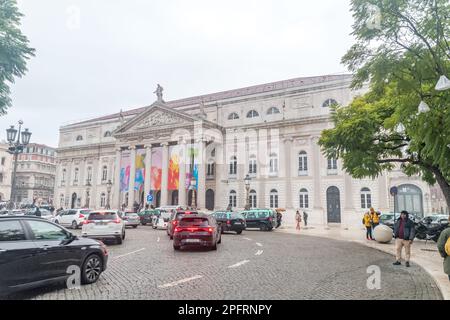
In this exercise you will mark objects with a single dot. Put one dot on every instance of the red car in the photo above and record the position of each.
(198, 230)
(174, 218)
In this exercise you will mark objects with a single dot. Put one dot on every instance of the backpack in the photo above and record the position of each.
(447, 247)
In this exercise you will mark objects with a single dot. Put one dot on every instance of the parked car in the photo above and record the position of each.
(131, 219)
(104, 224)
(263, 219)
(196, 230)
(161, 219)
(230, 221)
(435, 219)
(72, 218)
(35, 252)
(174, 218)
(146, 216)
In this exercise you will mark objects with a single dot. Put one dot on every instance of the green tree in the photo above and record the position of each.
(14, 50)
(401, 51)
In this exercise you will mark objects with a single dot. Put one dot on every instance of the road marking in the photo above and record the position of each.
(172, 284)
(239, 264)
(247, 239)
(260, 252)
(259, 244)
(127, 254)
(158, 239)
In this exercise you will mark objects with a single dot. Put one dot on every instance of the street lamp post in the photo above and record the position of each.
(192, 188)
(16, 146)
(247, 189)
(108, 189)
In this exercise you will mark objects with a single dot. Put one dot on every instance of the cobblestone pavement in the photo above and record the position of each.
(254, 265)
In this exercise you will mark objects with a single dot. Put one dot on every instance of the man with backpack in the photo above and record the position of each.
(443, 245)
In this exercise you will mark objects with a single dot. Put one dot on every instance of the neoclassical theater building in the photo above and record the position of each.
(202, 148)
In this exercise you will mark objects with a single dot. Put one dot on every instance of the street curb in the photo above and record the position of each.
(442, 285)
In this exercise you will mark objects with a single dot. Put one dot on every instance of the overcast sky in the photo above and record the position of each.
(96, 57)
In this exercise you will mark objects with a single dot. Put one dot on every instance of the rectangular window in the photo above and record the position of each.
(3, 161)
(11, 231)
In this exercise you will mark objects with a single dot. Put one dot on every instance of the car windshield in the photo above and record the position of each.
(257, 214)
(130, 214)
(235, 215)
(194, 222)
(220, 215)
(85, 211)
(102, 216)
(183, 213)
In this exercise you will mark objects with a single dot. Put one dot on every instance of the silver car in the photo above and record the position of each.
(131, 219)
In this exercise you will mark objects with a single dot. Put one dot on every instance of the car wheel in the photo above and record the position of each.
(171, 237)
(74, 225)
(123, 235)
(176, 248)
(220, 240)
(214, 247)
(143, 223)
(239, 232)
(119, 240)
(134, 227)
(92, 268)
(263, 228)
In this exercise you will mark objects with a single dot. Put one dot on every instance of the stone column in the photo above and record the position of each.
(319, 214)
(287, 171)
(221, 169)
(165, 174)
(182, 180)
(148, 171)
(201, 192)
(132, 177)
(115, 202)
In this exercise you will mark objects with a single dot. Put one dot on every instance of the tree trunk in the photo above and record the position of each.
(443, 183)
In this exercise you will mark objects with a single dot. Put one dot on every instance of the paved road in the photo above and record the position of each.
(254, 265)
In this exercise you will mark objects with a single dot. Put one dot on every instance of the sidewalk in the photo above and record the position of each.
(425, 255)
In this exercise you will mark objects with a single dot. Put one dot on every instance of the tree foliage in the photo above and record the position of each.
(14, 50)
(399, 55)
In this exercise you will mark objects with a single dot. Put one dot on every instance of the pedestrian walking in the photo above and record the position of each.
(443, 245)
(305, 218)
(298, 219)
(404, 234)
(367, 222)
(38, 212)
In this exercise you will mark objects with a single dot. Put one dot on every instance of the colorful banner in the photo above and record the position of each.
(125, 165)
(140, 170)
(193, 154)
(156, 171)
(174, 168)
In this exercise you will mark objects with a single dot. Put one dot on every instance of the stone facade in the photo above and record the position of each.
(6, 166)
(268, 131)
(35, 177)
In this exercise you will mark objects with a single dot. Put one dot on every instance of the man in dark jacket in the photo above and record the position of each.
(404, 233)
(445, 235)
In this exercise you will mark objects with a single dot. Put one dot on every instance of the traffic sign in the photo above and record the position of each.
(149, 198)
(394, 191)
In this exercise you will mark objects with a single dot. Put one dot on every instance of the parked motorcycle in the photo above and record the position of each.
(425, 230)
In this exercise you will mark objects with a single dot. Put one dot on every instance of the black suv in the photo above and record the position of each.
(35, 252)
(263, 219)
(230, 221)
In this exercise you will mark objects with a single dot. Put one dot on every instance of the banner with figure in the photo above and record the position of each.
(156, 171)
(174, 168)
(140, 170)
(125, 165)
(193, 161)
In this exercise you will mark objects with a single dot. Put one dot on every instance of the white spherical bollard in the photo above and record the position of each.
(383, 233)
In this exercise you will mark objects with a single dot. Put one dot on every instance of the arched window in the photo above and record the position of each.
(328, 103)
(252, 114)
(61, 200)
(107, 134)
(252, 166)
(273, 163)
(273, 198)
(233, 116)
(75, 175)
(232, 199)
(273, 110)
(252, 199)
(210, 169)
(103, 200)
(366, 198)
(302, 163)
(105, 173)
(304, 199)
(233, 166)
(79, 138)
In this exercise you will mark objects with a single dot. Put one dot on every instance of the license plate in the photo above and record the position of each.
(192, 240)
(237, 223)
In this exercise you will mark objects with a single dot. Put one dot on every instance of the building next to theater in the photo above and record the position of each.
(35, 177)
(210, 143)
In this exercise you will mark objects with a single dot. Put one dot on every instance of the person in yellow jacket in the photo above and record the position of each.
(367, 221)
(375, 218)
